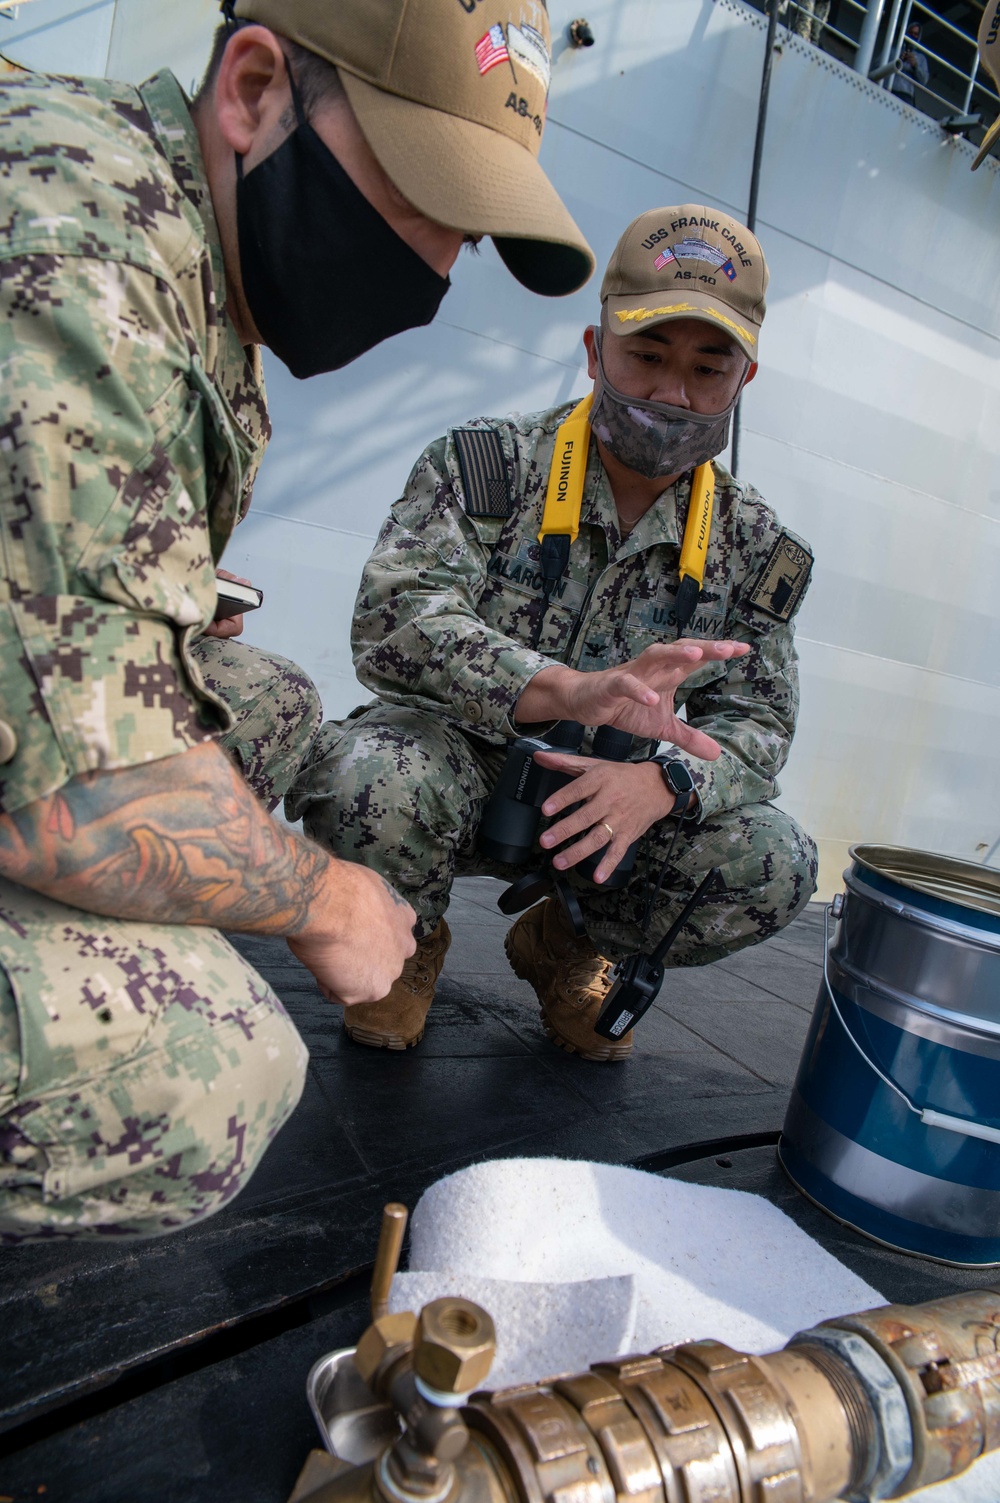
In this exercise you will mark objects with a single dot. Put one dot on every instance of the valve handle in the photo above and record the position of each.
(390, 1243)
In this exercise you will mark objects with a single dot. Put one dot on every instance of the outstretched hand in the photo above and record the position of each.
(637, 697)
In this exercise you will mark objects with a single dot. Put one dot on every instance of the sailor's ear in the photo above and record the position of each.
(750, 373)
(251, 92)
(590, 345)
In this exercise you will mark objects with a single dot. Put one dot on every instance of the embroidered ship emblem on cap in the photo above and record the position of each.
(696, 250)
(527, 49)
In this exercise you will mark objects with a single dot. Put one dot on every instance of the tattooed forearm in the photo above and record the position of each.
(180, 841)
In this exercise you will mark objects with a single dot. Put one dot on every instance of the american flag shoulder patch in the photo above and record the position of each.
(483, 467)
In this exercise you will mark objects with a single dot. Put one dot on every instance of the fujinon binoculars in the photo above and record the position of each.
(514, 811)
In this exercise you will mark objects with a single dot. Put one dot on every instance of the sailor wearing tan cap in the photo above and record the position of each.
(593, 563)
(339, 221)
(313, 198)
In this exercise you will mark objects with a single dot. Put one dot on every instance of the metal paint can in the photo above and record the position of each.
(894, 1122)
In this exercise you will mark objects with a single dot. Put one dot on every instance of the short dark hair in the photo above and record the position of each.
(317, 81)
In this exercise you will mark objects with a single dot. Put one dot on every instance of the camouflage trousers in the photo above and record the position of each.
(276, 707)
(145, 1068)
(402, 791)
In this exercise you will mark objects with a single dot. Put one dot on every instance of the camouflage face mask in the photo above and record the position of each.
(654, 438)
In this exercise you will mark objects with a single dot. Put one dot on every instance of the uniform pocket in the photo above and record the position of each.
(513, 601)
(655, 619)
(152, 552)
(226, 453)
(86, 999)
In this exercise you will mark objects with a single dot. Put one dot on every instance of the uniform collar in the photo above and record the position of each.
(237, 370)
(177, 138)
(662, 523)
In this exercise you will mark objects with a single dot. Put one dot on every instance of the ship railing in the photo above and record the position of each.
(829, 29)
(956, 91)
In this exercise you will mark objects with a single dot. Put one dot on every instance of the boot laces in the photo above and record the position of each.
(586, 972)
(419, 971)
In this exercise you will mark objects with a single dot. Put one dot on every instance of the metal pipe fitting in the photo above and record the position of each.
(865, 1407)
(390, 1244)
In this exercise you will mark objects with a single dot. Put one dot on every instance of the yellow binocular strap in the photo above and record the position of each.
(564, 496)
(564, 499)
(694, 548)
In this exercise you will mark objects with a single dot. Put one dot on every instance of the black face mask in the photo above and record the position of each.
(325, 277)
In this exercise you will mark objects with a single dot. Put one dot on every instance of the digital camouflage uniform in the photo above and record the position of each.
(443, 632)
(143, 1068)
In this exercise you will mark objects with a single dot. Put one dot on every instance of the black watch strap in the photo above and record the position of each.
(681, 784)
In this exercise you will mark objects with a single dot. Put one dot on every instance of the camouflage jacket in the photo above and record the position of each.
(132, 428)
(449, 603)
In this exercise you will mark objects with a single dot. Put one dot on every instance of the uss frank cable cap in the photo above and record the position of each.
(687, 262)
(451, 97)
(989, 54)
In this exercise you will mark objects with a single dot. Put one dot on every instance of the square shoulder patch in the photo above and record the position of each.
(783, 578)
(484, 472)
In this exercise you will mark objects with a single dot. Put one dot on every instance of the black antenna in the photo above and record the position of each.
(771, 8)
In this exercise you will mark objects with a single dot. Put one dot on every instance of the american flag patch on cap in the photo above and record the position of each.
(491, 49)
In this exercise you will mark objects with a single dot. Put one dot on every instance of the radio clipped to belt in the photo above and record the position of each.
(564, 499)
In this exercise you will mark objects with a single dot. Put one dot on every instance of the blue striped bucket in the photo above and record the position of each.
(894, 1122)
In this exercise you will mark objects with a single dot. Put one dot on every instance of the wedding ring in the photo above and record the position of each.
(610, 831)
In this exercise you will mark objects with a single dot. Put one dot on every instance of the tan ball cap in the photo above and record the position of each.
(687, 262)
(989, 53)
(451, 97)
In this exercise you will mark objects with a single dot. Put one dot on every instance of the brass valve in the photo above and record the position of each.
(864, 1407)
(425, 1368)
(455, 1347)
(385, 1341)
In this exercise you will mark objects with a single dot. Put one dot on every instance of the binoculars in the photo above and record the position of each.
(514, 811)
(507, 833)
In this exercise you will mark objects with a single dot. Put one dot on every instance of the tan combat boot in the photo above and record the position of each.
(396, 1021)
(571, 980)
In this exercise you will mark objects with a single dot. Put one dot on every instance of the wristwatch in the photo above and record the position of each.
(681, 784)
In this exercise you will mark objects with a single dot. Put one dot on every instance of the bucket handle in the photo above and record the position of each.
(927, 1115)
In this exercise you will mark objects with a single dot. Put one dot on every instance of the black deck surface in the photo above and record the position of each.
(175, 1369)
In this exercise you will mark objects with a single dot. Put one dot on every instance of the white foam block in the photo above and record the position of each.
(542, 1329)
(707, 1262)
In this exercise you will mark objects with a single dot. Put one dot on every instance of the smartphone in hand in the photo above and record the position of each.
(235, 599)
